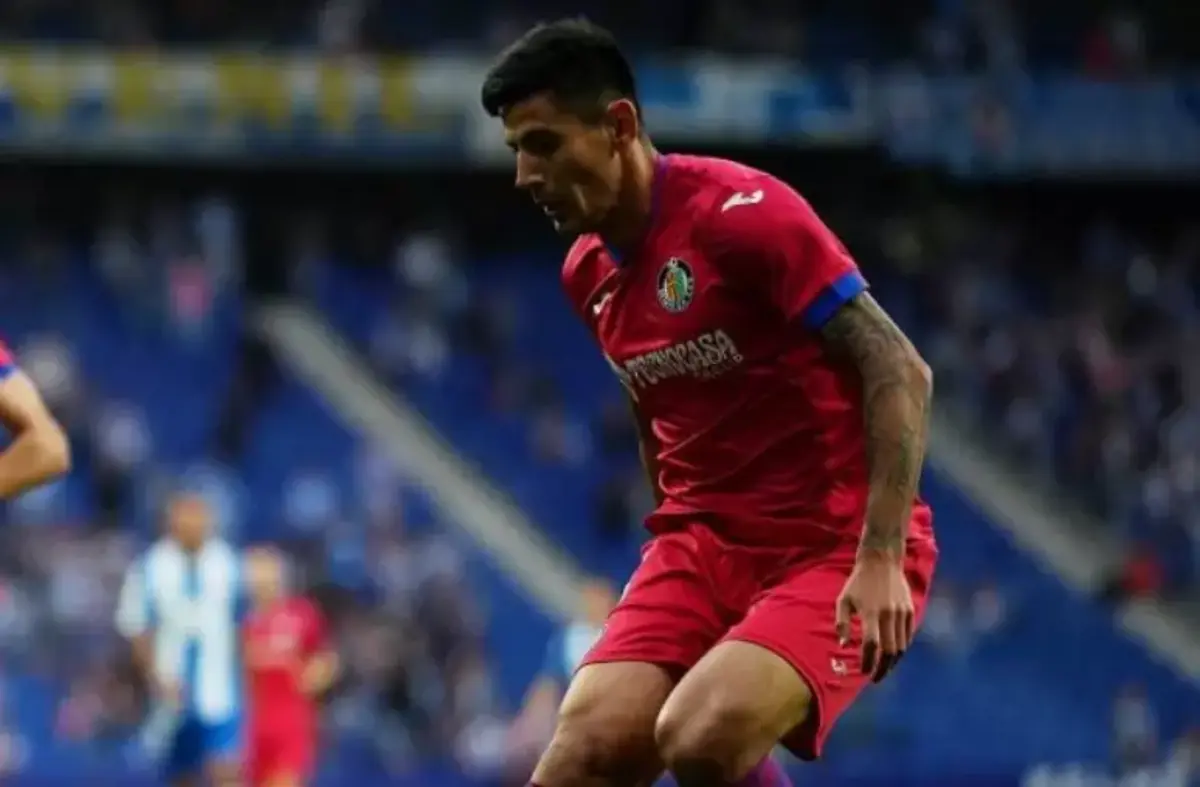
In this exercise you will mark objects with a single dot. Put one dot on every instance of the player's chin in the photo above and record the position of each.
(568, 226)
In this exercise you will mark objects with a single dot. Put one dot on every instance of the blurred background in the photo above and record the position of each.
(271, 249)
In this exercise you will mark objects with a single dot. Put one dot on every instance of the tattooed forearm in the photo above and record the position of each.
(897, 389)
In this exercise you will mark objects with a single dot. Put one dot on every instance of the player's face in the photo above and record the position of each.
(190, 520)
(264, 573)
(571, 167)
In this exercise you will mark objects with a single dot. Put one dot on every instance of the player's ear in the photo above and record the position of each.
(623, 119)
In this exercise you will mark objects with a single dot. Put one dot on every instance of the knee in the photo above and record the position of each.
(591, 744)
(706, 744)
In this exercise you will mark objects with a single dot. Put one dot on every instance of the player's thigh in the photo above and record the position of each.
(280, 780)
(796, 622)
(285, 776)
(605, 729)
(727, 714)
(225, 772)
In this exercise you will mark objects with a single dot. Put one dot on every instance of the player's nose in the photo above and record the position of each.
(529, 175)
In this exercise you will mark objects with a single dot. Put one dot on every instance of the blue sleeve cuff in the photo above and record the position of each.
(835, 296)
(7, 369)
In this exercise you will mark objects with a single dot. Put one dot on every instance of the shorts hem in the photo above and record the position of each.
(674, 667)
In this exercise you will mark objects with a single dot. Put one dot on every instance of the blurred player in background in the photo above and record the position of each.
(38, 450)
(564, 653)
(783, 420)
(289, 667)
(179, 608)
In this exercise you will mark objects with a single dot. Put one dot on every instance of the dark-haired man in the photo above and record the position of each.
(783, 419)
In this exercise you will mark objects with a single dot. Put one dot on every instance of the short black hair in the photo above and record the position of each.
(577, 62)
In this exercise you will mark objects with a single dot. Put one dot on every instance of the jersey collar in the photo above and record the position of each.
(661, 164)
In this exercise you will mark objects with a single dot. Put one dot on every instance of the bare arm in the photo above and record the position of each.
(320, 673)
(142, 647)
(897, 392)
(39, 450)
(134, 622)
(647, 450)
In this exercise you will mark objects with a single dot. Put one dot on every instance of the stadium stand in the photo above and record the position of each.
(138, 233)
(369, 546)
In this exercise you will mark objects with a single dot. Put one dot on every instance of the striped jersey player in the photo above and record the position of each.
(180, 608)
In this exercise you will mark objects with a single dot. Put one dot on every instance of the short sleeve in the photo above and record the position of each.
(8, 364)
(554, 665)
(583, 271)
(134, 609)
(771, 241)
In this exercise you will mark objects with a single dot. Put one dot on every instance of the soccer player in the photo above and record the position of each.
(38, 451)
(783, 422)
(179, 608)
(289, 666)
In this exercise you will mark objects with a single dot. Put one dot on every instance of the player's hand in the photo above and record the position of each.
(167, 692)
(877, 593)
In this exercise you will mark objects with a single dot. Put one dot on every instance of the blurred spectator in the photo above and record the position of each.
(1135, 730)
(556, 438)
(255, 378)
(310, 504)
(120, 450)
(615, 431)
(409, 341)
(1184, 762)
(1141, 576)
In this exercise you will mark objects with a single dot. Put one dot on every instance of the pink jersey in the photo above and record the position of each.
(278, 642)
(711, 325)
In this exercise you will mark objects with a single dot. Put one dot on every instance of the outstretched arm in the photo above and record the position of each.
(39, 450)
(897, 388)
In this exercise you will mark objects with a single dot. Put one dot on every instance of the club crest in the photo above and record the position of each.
(676, 285)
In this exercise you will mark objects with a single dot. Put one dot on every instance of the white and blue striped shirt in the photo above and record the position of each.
(192, 604)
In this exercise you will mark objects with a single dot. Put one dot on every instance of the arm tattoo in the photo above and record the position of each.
(897, 392)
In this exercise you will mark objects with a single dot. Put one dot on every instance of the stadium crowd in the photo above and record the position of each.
(1000, 34)
(1072, 354)
(404, 615)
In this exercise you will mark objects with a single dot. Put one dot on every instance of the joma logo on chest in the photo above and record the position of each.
(707, 356)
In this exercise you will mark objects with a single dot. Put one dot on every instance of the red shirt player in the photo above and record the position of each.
(38, 450)
(289, 666)
(783, 420)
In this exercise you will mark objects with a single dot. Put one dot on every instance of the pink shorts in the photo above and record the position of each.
(277, 753)
(693, 590)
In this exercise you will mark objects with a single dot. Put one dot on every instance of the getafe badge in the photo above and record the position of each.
(676, 285)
